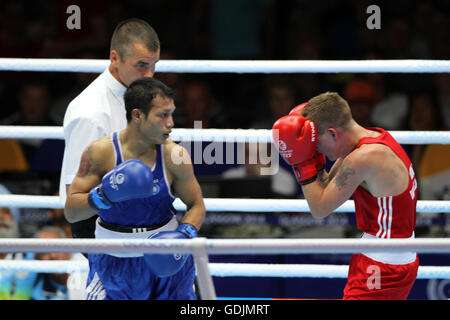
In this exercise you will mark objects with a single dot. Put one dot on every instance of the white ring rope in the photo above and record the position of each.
(200, 247)
(223, 269)
(236, 66)
(306, 270)
(220, 204)
(227, 246)
(219, 135)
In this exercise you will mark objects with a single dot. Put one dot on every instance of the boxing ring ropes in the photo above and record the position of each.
(202, 247)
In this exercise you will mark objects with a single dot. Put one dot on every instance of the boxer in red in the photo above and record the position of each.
(371, 167)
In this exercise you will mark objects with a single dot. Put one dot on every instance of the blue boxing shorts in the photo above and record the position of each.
(118, 278)
(128, 277)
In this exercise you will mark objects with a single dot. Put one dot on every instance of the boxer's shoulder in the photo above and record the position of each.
(99, 155)
(175, 154)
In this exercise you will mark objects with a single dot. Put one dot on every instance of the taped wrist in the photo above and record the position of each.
(189, 230)
(305, 172)
(97, 199)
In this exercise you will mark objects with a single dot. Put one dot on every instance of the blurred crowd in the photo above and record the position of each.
(232, 29)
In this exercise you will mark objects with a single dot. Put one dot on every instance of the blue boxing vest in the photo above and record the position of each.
(123, 277)
(150, 211)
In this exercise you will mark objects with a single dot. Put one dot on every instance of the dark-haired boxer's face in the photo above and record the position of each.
(159, 122)
(140, 63)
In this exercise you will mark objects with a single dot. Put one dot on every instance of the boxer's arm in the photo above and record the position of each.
(351, 172)
(186, 186)
(78, 133)
(89, 175)
(335, 168)
(324, 177)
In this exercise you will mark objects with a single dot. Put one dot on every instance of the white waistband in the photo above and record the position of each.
(396, 258)
(103, 233)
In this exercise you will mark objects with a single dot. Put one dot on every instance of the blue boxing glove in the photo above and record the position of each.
(165, 265)
(131, 179)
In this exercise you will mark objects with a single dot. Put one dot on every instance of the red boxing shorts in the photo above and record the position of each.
(372, 280)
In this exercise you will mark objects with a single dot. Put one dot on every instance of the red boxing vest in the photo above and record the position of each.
(387, 217)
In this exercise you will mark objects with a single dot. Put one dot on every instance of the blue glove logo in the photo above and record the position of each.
(120, 178)
(116, 179)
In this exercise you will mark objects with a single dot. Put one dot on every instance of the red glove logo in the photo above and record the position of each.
(282, 148)
(313, 131)
(282, 145)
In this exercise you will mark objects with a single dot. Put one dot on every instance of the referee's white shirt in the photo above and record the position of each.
(96, 112)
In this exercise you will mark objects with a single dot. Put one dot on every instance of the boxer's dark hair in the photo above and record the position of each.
(141, 92)
(130, 31)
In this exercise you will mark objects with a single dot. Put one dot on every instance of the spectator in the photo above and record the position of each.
(282, 180)
(279, 99)
(9, 227)
(199, 104)
(424, 115)
(254, 24)
(14, 211)
(13, 285)
(57, 218)
(442, 84)
(430, 161)
(92, 32)
(50, 286)
(360, 95)
(81, 81)
(171, 79)
(391, 110)
(34, 102)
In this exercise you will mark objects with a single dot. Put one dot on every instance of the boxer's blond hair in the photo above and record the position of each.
(328, 109)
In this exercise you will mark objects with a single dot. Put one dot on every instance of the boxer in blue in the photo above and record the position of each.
(130, 179)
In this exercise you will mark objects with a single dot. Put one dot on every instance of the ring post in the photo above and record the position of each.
(205, 282)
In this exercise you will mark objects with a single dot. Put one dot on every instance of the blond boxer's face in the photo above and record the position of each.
(139, 63)
(328, 144)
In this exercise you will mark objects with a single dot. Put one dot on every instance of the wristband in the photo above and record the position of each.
(305, 172)
(306, 181)
(97, 200)
(188, 230)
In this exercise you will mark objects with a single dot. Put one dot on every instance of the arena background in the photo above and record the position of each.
(244, 29)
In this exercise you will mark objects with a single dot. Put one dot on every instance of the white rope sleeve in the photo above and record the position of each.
(220, 135)
(27, 132)
(236, 66)
(224, 269)
(220, 204)
(228, 246)
(306, 270)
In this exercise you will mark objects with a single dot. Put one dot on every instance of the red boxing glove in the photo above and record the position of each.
(296, 138)
(298, 109)
(320, 158)
(320, 161)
